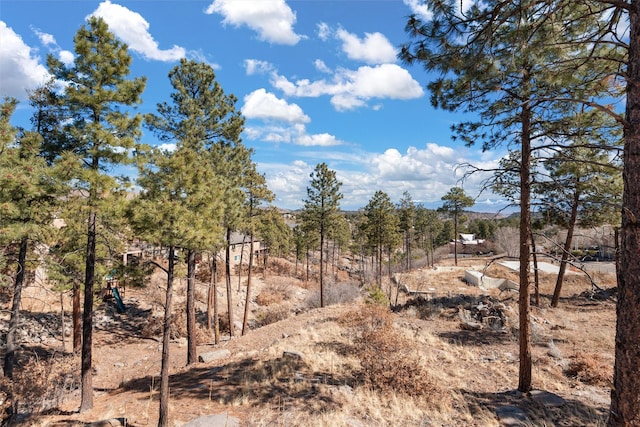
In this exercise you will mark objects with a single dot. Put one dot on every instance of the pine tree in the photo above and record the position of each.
(320, 208)
(199, 119)
(514, 96)
(96, 94)
(407, 213)
(381, 228)
(454, 203)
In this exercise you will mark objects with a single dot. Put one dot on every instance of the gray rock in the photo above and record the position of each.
(218, 420)
(546, 398)
(214, 355)
(511, 416)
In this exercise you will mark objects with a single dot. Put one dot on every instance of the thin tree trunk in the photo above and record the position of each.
(62, 322)
(192, 352)
(245, 319)
(228, 280)
(536, 273)
(86, 402)
(240, 265)
(524, 378)
(455, 237)
(163, 420)
(76, 318)
(216, 313)
(567, 249)
(14, 320)
(321, 263)
(210, 298)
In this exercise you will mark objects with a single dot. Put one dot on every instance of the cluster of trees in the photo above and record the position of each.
(552, 103)
(85, 128)
(544, 78)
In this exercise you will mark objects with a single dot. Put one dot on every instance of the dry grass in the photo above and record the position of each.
(354, 364)
(590, 368)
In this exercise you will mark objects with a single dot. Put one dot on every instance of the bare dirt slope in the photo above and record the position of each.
(446, 357)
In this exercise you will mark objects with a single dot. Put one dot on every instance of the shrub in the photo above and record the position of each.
(388, 361)
(590, 368)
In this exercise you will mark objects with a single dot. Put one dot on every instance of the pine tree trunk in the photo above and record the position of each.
(247, 302)
(524, 378)
(455, 237)
(625, 399)
(216, 313)
(321, 264)
(210, 300)
(240, 265)
(163, 419)
(86, 402)
(14, 320)
(228, 281)
(192, 352)
(536, 274)
(566, 250)
(76, 318)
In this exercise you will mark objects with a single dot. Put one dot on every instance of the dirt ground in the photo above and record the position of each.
(572, 350)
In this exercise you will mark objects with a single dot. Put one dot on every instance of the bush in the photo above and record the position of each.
(375, 295)
(590, 368)
(388, 361)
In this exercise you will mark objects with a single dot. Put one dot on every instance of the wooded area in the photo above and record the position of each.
(573, 164)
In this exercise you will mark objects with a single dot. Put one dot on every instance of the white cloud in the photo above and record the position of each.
(273, 20)
(295, 134)
(49, 41)
(21, 71)
(255, 66)
(66, 57)
(133, 29)
(351, 89)
(318, 140)
(324, 31)
(262, 105)
(419, 8)
(374, 48)
(321, 66)
(46, 39)
(427, 173)
(167, 147)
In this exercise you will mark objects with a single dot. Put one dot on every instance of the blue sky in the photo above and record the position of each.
(318, 81)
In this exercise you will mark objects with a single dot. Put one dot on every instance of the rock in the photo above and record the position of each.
(511, 416)
(470, 326)
(218, 420)
(214, 355)
(290, 354)
(546, 398)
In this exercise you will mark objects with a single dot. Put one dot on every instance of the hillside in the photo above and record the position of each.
(446, 357)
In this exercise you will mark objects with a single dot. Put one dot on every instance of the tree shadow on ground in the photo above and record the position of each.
(483, 337)
(122, 327)
(284, 382)
(538, 412)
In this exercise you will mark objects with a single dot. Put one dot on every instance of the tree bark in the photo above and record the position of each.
(163, 419)
(228, 281)
(245, 319)
(625, 399)
(14, 320)
(86, 402)
(567, 249)
(536, 273)
(192, 352)
(524, 377)
(216, 313)
(76, 318)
